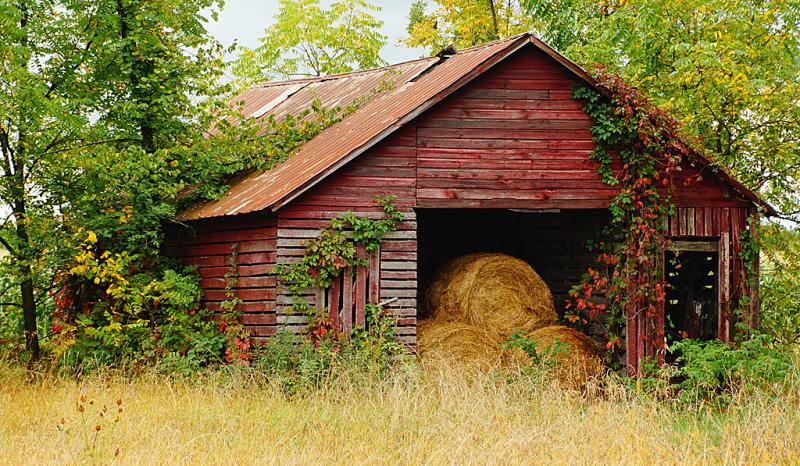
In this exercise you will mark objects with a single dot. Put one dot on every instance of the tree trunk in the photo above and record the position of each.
(494, 19)
(26, 286)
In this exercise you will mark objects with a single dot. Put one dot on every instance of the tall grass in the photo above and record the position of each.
(436, 417)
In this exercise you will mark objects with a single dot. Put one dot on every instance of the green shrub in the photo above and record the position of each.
(714, 370)
(145, 321)
(297, 363)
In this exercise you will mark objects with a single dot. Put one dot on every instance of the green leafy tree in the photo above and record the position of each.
(89, 87)
(464, 23)
(727, 70)
(43, 50)
(311, 40)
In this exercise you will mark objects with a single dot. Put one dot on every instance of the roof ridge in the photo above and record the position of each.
(312, 79)
(329, 77)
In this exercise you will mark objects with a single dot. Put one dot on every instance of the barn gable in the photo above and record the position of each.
(484, 150)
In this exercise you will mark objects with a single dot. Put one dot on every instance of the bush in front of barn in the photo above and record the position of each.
(297, 363)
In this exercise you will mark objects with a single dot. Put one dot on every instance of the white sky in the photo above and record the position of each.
(245, 20)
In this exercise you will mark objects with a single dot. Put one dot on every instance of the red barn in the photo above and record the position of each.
(485, 150)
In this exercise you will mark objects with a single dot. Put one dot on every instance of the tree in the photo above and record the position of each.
(86, 84)
(727, 70)
(42, 53)
(310, 40)
(464, 23)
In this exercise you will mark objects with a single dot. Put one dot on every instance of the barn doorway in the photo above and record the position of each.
(553, 242)
(692, 297)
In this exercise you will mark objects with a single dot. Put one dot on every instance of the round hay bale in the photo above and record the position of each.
(442, 298)
(571, 355)
(457, 343)
(496, 292)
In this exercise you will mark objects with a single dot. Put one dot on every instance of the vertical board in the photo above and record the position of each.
(755, 304)
(375, 275)
(347, 300)
(724, 274)
(334, 300)
(360, 287)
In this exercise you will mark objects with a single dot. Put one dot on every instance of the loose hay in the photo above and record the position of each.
(572, 356)
(456, 343)
(496, 292)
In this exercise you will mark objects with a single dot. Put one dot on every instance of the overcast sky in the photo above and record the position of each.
(245, 20)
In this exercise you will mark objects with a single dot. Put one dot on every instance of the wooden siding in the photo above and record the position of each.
(246, 246)
(389, 168)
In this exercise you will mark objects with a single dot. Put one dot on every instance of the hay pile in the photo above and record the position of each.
(496, 292)
(458, 343)
(480, 300)
(571, 355)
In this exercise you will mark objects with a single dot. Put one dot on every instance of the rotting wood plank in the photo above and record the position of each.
(723, 285)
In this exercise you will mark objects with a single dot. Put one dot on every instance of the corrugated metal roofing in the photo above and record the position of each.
(339, 143)
(418, 85)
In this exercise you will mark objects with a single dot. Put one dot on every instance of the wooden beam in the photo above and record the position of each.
(724, 287)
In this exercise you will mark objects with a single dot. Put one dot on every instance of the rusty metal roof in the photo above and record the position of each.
(418, 85)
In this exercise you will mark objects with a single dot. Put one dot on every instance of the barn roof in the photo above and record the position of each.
(416, 86)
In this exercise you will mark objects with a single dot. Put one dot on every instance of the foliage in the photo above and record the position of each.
(780, 295)
(298, 363)
(336, 249)
(627, 278)
(112, 120)
(463, 23)
(135, 320)
(716, 370)
(542, 358)
(309, 39)
(727, 70)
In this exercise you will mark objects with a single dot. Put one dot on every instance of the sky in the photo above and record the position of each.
(245, 20)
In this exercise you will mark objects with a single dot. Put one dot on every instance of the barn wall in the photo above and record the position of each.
(388, 168)
(221, 247)
(515, 138)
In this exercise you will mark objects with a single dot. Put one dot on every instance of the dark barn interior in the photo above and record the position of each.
(691, 306)
(553, 242)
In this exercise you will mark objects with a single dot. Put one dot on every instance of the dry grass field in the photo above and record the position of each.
(439, 418)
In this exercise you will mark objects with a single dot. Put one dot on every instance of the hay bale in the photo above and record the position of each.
(571, 355)
(496, 292)
(456, 343)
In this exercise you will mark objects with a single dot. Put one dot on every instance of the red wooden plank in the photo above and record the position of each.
(632, 341)
(498, 133)
(375, 275)
(248, 307)
(244, 270)
(506, 94)
(443, 140)
(241, 282)
(252, 294)
(690, 221)
(477, 117)
(347, 301)
(217, 261)
(259, 319)
(755, 306)
(334, 296)
(360, 287)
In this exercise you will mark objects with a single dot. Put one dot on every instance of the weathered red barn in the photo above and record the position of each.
(485, 149)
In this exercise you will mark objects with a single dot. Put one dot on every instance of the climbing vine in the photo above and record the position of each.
(336, 249)
(638, 149)
(229, 321)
